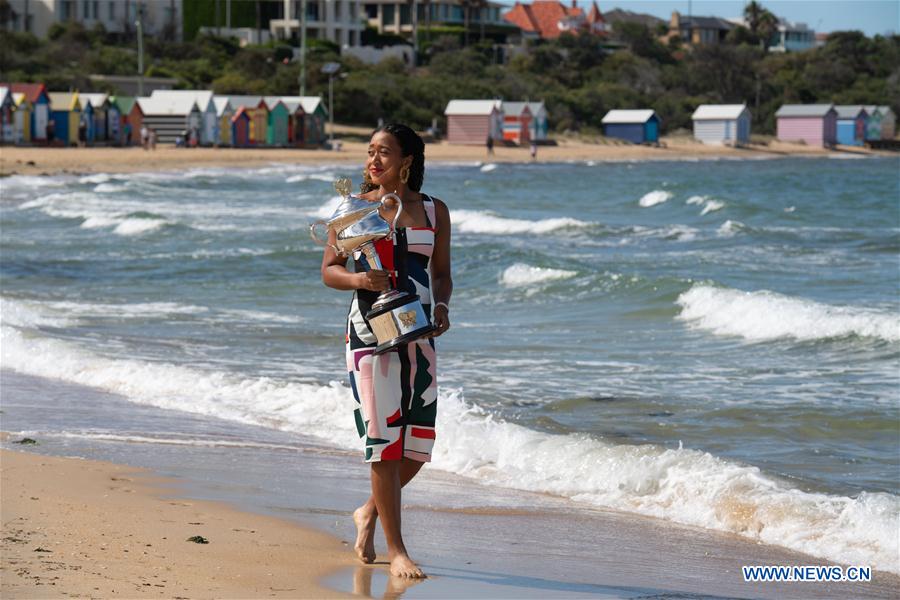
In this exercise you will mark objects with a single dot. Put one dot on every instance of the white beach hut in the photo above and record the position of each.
(720, 124)
(170, 115)
(205, 105)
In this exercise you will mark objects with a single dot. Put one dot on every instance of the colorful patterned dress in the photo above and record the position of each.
(396, 392)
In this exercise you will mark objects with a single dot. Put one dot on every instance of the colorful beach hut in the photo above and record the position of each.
(279, 119)
(204, 126)
(296, 118)
(21, 119)
(256, 109)
(873, 122)
(635, 126)
(812, 124)
(314, 119)
(540, 125)
(474, 121)
(224, 113)
(39, 102)
(240, 127)
(65, 112)
(720, 124)
(888, 122)
(517, 123)
(95, 108)
(7, 118)
(117, 117)
(851, 124)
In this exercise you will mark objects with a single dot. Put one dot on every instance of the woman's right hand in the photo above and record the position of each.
(374, 281)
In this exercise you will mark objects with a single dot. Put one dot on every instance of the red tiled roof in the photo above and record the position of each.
(32, 91)
(543, 16)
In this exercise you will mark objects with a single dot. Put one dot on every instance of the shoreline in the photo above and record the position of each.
(15, 160)
(472, 540)
(82, 538)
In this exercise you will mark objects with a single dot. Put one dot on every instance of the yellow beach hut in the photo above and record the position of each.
(22, 119)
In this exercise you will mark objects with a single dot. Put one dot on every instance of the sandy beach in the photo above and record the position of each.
(51, 161)
(91, 529)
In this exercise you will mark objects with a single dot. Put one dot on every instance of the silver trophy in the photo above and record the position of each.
(397, 316)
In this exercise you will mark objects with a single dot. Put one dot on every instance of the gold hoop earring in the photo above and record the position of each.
(404, 175)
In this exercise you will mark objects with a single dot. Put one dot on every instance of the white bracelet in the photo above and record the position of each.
(444, 304)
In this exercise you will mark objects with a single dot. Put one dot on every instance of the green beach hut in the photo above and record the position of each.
(279, 115)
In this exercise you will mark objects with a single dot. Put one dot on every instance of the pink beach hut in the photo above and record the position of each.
(812, 124)
(473, 121)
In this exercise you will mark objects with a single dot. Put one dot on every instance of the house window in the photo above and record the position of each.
(404, 14)
(112, 10)
(86, 9)
(67, 9)
(387, 15)
(312, 11)
(457, 14)
(371, 11)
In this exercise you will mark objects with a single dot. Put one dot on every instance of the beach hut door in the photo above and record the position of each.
(41, 115)
(728, 134)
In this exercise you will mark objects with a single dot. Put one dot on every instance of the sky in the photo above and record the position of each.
(869, 16)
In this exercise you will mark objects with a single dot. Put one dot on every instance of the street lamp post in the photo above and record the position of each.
(331, 69)
(140, 40)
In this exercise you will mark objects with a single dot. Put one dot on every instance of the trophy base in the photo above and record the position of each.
(398, 318)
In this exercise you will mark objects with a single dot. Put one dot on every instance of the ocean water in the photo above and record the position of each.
(712, 343)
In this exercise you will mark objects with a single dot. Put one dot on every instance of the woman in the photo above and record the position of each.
(396, 391)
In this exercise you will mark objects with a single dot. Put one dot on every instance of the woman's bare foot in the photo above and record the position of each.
(403, 566)
(365, 518)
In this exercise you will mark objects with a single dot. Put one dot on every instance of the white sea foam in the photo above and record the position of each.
(131, 226)
(488, 167)
(329, 177)
(655, 197)
(712, 206)
(730, 228)
(109, 188)
(476, 221)
(520, 274)
(682, 485)
(696, 200)
(764, 315)
(95, 178)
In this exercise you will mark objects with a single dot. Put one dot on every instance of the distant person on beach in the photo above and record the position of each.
(152, 139)
(127, 133)
(396, 392)
(145, 137)
(490, 145)
(82, 134)
(51, 131)
(533, 150)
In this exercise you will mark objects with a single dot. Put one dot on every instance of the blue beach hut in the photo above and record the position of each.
(851, 125)
(636, 126)
(65, 112)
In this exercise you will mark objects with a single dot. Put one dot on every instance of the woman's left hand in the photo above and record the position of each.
(441, 320)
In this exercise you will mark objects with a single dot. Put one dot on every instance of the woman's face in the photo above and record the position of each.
(385, 159)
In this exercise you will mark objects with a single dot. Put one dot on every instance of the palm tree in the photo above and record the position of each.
(761, 22)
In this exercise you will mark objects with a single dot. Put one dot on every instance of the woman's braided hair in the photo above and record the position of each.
(410, 144)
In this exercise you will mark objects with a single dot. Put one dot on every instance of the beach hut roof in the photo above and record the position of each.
(515, 109)
(536, 107)
(32, 91)
(471, 107)
(19, 98)
(5, 95)
(64, 101)
(94, 99)
(247, 101)
(849, 111)
(223, 105)
(123, 103)
(718, 112)
(804, 110)
(201, 97)
(628, 116)
(167, 105)
(885, 110)
(311, 104)
(272, 101)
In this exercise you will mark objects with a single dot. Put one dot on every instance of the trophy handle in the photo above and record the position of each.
(312, 234)
(395, 197)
